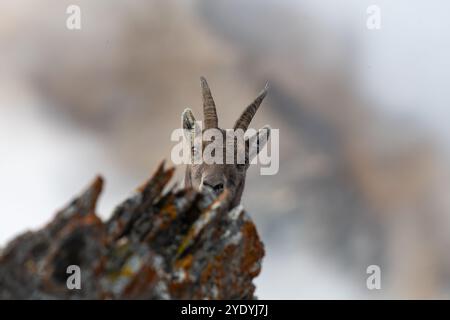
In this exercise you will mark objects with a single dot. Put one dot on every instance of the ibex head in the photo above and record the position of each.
(226, 175)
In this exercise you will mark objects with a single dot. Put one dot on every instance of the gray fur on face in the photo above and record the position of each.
(230, 176)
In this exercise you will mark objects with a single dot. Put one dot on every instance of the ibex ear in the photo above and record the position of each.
(188, 122)
(188, 119)
(257, 142)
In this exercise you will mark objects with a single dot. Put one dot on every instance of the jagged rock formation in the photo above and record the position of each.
(156, 245)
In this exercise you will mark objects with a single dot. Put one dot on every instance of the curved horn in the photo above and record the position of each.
(209, 107)
(246, 117)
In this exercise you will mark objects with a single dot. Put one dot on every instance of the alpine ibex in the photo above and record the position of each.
(225, 175)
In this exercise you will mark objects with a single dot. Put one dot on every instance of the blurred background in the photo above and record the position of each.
(364, 150)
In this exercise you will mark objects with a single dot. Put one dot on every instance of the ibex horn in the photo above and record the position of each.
(209, 107)
(246, 117)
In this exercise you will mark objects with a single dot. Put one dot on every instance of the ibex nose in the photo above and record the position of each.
(217, 187)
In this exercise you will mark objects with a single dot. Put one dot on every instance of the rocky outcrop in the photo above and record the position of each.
(161, 243)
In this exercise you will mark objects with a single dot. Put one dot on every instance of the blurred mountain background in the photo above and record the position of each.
(364, 174)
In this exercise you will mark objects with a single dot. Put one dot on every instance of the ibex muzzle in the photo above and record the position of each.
(220, 176)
